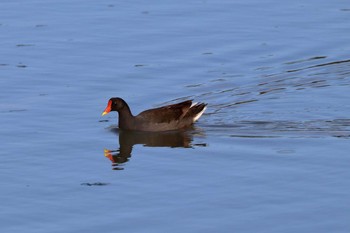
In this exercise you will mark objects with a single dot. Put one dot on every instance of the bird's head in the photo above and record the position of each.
(114, 104)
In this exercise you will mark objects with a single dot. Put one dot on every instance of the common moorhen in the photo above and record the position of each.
(170, 117)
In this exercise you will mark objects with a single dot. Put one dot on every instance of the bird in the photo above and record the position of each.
(167, 118)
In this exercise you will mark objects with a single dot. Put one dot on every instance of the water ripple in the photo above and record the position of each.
(339, 128)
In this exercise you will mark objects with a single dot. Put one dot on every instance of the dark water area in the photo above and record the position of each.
(270, 154)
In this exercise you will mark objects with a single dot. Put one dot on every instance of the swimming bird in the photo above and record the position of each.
(166, 118)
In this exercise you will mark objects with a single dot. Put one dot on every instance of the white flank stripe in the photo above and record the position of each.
(199, 114)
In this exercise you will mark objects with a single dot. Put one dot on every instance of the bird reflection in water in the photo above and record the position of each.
(127, 139)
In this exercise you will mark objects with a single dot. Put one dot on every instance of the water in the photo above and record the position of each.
(269, 155)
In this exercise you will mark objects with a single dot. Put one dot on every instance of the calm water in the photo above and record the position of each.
(269, 155)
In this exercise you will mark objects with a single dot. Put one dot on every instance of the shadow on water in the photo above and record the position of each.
(127, 139)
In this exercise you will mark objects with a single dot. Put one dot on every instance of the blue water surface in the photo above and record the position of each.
(269, 155)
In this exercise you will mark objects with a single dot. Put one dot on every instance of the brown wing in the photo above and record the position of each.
(167, 113)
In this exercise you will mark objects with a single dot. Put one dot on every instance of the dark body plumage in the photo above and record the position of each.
(170, 117)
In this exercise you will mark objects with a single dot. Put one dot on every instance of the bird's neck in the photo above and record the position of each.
(125, 118)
